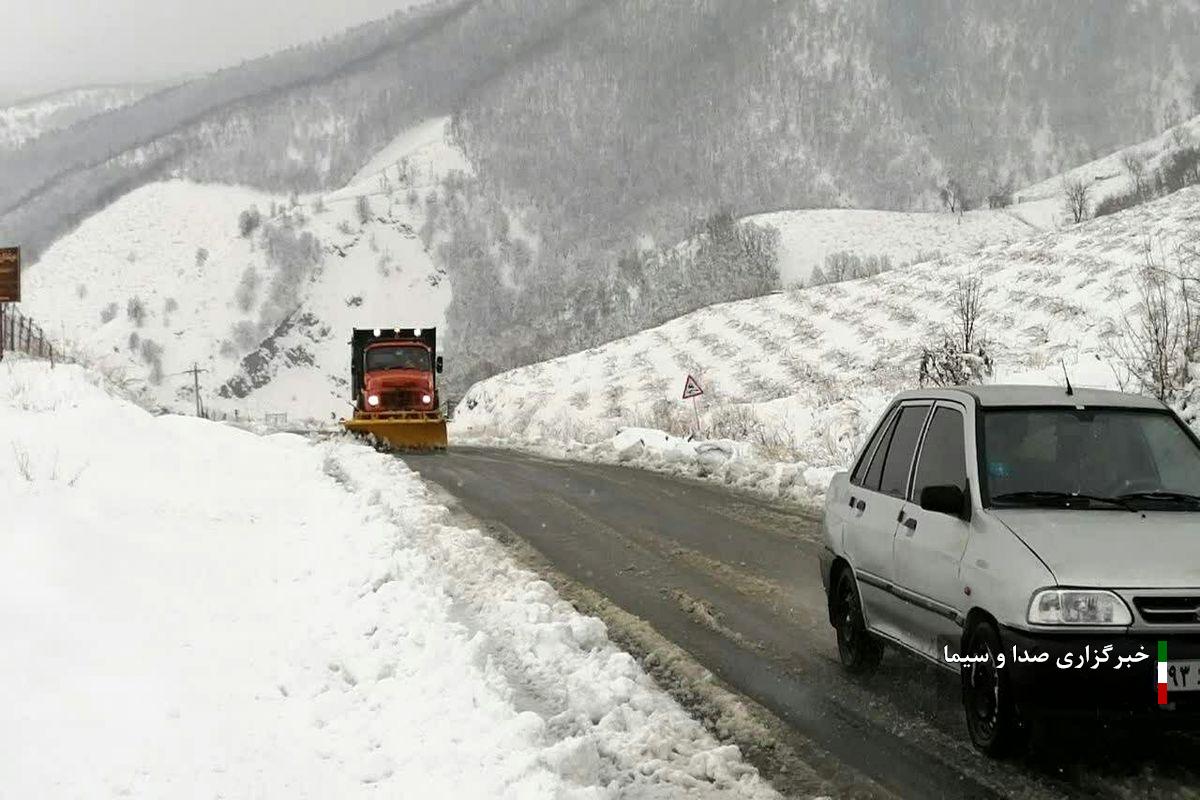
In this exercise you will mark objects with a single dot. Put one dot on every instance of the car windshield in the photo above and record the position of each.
(399, 357)
(1104, 457)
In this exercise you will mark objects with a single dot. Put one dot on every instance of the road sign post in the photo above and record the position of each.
(10, 284)
(692, 390)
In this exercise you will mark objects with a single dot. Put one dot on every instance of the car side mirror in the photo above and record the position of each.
(438, 364)
(950, 500)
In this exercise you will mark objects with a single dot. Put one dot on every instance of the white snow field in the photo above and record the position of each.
(806, 237)
(279, 347)
(190, 610)
(793, 381)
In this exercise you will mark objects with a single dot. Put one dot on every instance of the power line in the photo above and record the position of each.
(195, 373)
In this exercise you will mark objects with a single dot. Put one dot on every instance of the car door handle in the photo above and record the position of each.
(857, 505)
(911, 524)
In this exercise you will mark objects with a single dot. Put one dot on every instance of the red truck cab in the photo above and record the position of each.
(398, 376)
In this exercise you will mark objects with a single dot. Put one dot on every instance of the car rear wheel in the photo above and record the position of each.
(859, 651)
(991, 713)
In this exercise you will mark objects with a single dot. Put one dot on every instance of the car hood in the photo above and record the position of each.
(1113, 549)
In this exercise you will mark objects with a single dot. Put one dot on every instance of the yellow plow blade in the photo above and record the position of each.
(399, 432)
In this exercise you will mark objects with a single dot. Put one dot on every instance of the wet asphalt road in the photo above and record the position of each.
(733, 580)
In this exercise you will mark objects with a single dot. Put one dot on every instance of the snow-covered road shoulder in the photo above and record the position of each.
(735, 464)
(192, 610)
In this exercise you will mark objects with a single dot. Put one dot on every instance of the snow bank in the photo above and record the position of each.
(724, 461)
(192, 610)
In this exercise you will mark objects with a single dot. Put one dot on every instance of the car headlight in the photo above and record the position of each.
(1078, 607)
(426, 399)
(373, 400)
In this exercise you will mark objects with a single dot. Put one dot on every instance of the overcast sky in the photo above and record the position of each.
(52, 44)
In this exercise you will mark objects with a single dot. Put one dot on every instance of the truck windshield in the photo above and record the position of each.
(1056, 456)
(398, 357)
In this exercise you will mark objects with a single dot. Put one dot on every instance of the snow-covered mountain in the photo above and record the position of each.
(26, 120)
(259, 290)
(803, 374)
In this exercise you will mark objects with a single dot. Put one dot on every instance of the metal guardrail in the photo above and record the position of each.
(20, 334)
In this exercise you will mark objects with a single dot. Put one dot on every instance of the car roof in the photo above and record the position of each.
(999, 395)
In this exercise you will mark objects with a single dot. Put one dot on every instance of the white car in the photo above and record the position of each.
(1042, 542)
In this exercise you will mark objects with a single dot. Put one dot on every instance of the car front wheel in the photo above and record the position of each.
(987, 699)
(858, 650)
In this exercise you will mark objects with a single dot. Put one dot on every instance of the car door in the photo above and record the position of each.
(874, 507)
(929, 546)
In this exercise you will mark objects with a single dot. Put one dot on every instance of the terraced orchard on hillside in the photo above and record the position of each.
(804, 374)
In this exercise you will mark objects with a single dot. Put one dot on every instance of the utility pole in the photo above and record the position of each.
(195, 371)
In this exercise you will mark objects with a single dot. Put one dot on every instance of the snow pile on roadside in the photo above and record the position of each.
(192, 610)
(724, 461)
(799, 378)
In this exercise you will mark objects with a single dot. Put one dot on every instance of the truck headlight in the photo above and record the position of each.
(373, 400)
(426, 399)
(1078, 607)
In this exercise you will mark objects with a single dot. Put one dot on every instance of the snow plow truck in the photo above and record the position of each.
(393, 375)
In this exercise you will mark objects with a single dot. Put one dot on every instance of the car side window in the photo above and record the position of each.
(875, 471)
(901, 449)
(943, 459)
(864, 463)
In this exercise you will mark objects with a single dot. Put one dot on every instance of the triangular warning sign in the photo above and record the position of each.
(691, 388)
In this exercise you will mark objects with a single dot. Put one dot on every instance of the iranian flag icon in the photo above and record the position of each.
(1162, 673)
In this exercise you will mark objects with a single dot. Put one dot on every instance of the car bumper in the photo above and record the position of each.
(1060, 685)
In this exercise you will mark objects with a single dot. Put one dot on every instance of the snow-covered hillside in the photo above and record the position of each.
(190, 610)
(804, 374)
(28, 119)
(806, 237)
(164, 278)
(1042, 204)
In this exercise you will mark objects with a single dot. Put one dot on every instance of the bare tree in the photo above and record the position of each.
(362, 207)
(1077, 194)
(1135, 164)
(1151, 344)
(968, 307)
(954, 197)
(961, 356)
(1180, 136)
(1160, 336)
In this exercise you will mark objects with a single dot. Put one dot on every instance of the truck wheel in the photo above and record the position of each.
(987, 698)
(859, 651)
